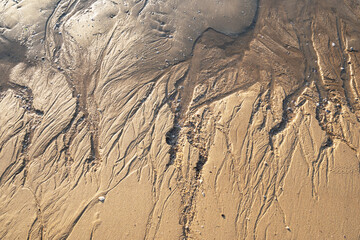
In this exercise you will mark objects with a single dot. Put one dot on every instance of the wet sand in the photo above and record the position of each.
(233, 119)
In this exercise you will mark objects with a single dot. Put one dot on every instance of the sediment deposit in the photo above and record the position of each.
(154, 119)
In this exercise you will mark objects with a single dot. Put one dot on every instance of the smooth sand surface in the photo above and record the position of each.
(154, 119)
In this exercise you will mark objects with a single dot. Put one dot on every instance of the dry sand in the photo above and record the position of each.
(154, 119)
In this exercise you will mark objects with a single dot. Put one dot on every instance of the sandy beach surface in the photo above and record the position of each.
(179, 119)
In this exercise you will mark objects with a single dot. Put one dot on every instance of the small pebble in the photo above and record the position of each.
(102, 199)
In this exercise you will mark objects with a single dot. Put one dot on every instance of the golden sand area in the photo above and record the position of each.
(169, 119)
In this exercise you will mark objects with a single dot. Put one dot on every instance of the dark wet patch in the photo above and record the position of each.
(11, 53)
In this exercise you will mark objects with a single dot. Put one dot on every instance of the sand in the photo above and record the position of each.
(231, 119)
